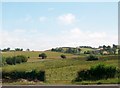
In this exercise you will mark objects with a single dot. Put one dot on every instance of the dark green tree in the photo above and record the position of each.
(109, 49)
(104, 47)
(63, 56)
(43, 55)
(114, 48)
(8, 49)
(79, 50)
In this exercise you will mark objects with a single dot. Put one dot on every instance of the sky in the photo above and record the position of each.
(46, 25)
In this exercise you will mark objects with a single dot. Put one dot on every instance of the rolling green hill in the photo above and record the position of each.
(58, 71)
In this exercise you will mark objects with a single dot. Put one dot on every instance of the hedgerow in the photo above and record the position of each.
(16, 59)
(97, 72)
(29, 75)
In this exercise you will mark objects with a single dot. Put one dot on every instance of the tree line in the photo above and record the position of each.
(100, 50)
(67, 50)
(16, 49)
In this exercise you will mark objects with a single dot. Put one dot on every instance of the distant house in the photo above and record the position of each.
(97, 51)
(100, 49)
(105, 53)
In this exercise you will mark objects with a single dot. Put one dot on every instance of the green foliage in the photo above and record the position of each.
(118, 73)
(10, 60)
(6, 49)
(92, 57)
(43, 55)
(87, 52)
(59, 71)
(97, 72)
(18, 49)
(22, 57)
(16, 59)
(29, 75)
(57, 49)
(70, 50)
(41, 75)
(63, 56)
(101, 71)
(3, 62)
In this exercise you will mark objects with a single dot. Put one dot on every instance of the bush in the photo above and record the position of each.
(63, 56)
(43, 55)
(16, 59)
(101, 71)
(118, 73)
(10, 60)
(110, 71)
(91, 58)
(87, 52)
(29, 75)
(41, 76)
(3, 61)
(16, 74)
(97, 72)
(23, 58)
(82, 75)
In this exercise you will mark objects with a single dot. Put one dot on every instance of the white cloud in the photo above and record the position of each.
(75, 32)
(42, 19)
(36, 40)
(97, 35)
(77, 37)
(67, 18)
(19, 31)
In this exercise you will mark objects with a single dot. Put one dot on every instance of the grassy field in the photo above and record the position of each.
(86, 49)
(58, 71)
(34, 55)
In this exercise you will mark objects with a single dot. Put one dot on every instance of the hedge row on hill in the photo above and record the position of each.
(29, 75)
(97, 72)
(92, 58)
(16, 59)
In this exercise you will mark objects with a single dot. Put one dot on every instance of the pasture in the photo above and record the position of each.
(58, 70)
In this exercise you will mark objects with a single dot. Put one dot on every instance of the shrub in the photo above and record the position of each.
(41, 76)
(23, 58)
(87, 52)
(82, 75)
(3, 61)
(16, 59)
(63, 56)
(101, 71)
(91, 58)
(29, 75)
(110, 71)
(97, 72)
(118, 73)
(17, 74)
(43, 55)
(10, 60)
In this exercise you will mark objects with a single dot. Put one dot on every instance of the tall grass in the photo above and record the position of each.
(58, 70)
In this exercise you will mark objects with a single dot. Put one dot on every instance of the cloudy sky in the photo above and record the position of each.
(43, 25)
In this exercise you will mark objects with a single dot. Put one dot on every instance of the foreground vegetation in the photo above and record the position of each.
(58, 70)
